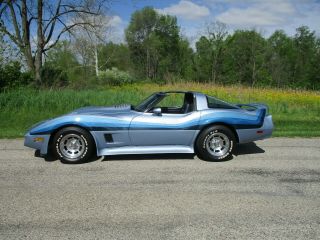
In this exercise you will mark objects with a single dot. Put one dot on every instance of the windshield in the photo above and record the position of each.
(149, 102)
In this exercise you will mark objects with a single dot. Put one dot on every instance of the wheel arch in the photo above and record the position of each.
(54, 132)
(232, 128)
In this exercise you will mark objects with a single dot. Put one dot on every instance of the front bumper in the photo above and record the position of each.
(38, 142)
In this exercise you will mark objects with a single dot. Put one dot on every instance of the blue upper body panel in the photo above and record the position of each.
(238, 118)
(92, 118)
(123, 118)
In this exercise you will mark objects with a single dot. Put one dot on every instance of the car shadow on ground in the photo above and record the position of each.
(166, 156)
(242, 149)
(247, 148)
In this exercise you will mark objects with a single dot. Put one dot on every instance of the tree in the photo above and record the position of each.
(216, 34)
(280, 58)
(11, 76)
(51, 19)
(306, 55)
(8, 52)
(84, 52)
(186, 57)
(203, 59)
(113, 55)
(246, 57)
(2, 49)
(153, 41)
(62, 59)
(93, 34)
(315, 70)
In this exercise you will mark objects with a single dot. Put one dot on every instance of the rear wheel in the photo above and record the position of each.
(215, 143)
(73, 145)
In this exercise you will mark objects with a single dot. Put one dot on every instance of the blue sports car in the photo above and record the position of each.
(165, 122)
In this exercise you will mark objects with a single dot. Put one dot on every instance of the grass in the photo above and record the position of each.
(295, 113)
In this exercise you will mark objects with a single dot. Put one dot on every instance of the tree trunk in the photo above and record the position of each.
(26, 49)
(214, 71)
(148, 63)
(253, 77)
(29, 59)
(40, 45)
(96, 60)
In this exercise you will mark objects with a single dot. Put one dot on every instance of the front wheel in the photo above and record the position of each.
(73, 145)
(215, 143)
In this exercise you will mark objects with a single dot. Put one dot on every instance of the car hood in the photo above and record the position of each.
(89, 118)
(111, 110)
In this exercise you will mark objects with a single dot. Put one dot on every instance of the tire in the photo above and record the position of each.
(73, 145)
(215, 143)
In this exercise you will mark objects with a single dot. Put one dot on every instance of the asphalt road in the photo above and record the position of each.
(267, 191)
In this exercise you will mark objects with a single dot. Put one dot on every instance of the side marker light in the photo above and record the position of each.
(38, 139)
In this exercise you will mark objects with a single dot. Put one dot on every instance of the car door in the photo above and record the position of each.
(149, 129)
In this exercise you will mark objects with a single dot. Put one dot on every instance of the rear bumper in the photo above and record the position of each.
(254, 134)
(38, 142)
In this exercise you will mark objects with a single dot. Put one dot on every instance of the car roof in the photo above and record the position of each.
(177, 91)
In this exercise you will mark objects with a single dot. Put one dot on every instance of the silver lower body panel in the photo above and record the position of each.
(254, 134)
(145, 150)
(29, 141)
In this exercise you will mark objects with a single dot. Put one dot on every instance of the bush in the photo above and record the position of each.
(54, 76)
(115, 77)
(11, 76)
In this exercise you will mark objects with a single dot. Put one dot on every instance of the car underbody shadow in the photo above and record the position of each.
(51, 158)
(241, 149)
(47, 158)
(247, 148)
(166, 156)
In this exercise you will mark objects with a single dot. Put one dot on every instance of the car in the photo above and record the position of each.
(165, 122)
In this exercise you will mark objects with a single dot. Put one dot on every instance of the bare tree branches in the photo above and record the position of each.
(65, 29)
(15, 22)
(48, 16)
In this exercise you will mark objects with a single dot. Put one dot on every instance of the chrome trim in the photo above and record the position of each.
(72, 146)
(218, 144)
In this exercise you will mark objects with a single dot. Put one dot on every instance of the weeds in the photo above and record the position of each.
(295, 113)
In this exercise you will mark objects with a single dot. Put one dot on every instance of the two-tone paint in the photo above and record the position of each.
(136, 132)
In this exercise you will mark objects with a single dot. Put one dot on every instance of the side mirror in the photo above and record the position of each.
(157, 111)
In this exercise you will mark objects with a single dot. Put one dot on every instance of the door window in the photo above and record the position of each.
(176, 103)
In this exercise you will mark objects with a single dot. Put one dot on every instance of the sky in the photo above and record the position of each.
(264, 16)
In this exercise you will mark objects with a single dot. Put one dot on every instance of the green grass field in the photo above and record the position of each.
(295, 113)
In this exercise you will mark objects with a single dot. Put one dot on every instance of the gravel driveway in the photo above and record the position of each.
(267, 191)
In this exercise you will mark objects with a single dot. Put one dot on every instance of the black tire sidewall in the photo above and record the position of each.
(205, 135)
(83, 134)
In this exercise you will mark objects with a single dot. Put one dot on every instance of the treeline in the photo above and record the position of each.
(155, 51)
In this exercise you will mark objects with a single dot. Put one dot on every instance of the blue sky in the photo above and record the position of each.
(265, 16)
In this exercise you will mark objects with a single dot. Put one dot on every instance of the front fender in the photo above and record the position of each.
(91, 123)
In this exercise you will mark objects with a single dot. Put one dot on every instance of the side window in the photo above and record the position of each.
(216, 103)
(172, 100)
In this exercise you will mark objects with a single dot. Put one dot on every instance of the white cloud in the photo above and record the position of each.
(186, 10)
(268, 13)
(115, 21)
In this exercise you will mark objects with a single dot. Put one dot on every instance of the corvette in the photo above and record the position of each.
(165, 122)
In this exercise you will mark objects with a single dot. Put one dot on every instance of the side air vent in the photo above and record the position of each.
(108, 138)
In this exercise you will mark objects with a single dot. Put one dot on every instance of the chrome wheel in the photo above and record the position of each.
(218, 144)
(72, 146)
